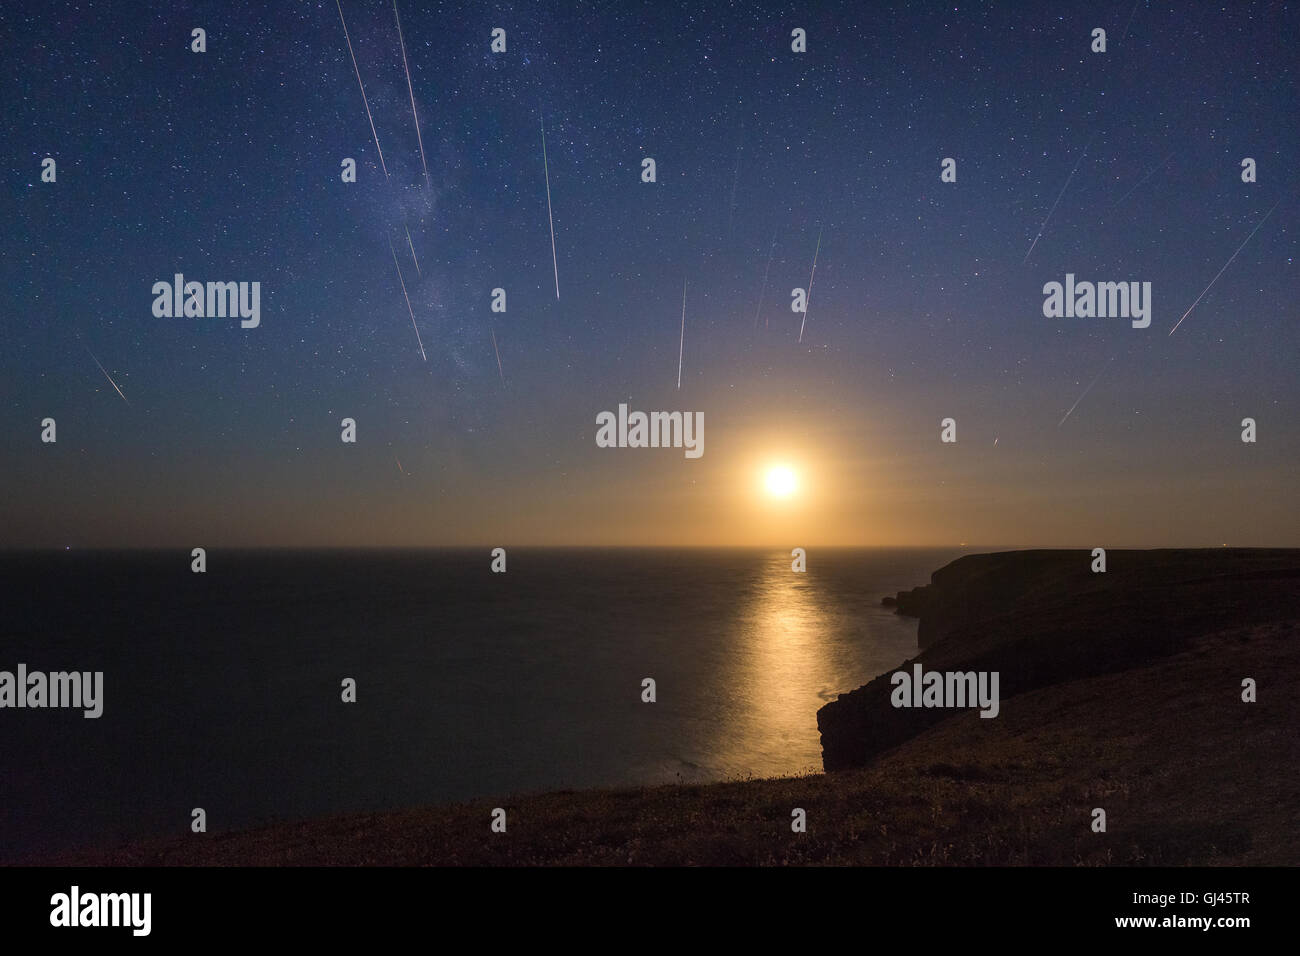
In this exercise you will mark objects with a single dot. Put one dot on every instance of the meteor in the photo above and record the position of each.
(413, 259)
(1130, 20)
(106, 375)
(414, 117)
(549, 218)
(1081, 397)
(408, 301)
(498, 354)
(808, 300)
(1058, 198)
(1140, 182)
(1224, 269)
(363, 88)
(763, 291)
(681, 345)
(735, 178)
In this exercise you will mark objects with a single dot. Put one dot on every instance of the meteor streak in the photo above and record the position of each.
(546, 167)
(1224, 269)
(808, 300)
(763, 291)
(1081, 397)
(735, 178)
(498, 354)
(1140, 182)
(1058, 198)
(413, 259)
(414, 117)
(106, 375)
(681, 345)
(1130, 20)
(408, 301)
(363, 88)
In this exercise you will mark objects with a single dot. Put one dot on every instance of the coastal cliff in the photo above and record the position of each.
(1041, 618)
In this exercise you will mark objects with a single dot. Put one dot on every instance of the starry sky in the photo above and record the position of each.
(225, 166)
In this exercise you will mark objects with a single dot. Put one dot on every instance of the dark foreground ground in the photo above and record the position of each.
(1161, 740)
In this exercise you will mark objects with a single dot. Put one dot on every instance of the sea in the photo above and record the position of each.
(224, 690)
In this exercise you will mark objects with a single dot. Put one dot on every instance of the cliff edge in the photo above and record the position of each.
(1041, 618)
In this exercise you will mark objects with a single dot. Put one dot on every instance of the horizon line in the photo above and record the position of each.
(974, 548)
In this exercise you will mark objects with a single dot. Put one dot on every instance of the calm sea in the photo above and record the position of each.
(222, 690)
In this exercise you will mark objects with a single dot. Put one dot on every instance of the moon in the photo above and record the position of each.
(781, 481)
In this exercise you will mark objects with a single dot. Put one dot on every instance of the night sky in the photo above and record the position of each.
(225, 166)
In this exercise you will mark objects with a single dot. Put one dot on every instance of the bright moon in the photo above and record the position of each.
(781, 482)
